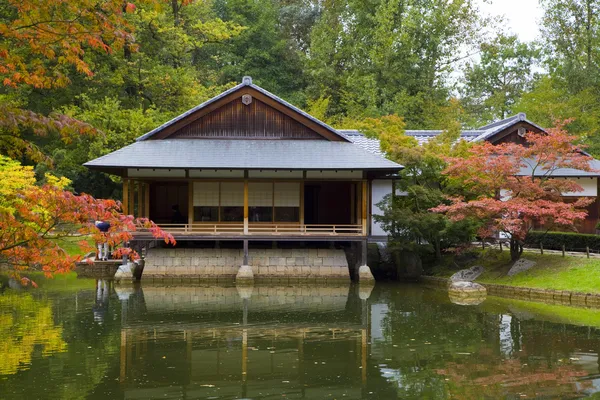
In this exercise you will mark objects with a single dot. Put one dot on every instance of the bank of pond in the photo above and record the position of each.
(85, 338)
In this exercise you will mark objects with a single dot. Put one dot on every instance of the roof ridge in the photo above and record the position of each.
(520, 116)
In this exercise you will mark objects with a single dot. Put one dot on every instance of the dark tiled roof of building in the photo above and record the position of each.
(423, 136)
(527, 170)
(244, 154)
(372, 145)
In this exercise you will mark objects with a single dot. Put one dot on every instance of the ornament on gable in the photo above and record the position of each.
(246, 99)
(521, 131)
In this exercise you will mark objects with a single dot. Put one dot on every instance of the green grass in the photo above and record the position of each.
(70, 244)
(548, 312)
(58, 283)
(552, 271)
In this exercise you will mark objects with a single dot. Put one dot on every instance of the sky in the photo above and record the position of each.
(522, 16)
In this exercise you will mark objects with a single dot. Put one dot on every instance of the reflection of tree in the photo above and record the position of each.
(79, 370)
(498, 378)
(24, 324)
(434, 349)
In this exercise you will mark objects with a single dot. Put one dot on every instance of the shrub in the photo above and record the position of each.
(555, 240)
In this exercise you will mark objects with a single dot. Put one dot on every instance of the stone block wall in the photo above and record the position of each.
(265, 263)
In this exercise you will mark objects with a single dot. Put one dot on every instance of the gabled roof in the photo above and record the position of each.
(492, 129)
(246, 83)
(243, 154)
(423, 136)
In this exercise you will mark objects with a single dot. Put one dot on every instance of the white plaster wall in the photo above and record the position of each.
(379, 189)
(589, 185)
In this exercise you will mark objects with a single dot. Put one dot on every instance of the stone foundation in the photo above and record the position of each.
(265, 263)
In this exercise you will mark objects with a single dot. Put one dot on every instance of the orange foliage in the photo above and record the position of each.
(34, 218)
(512, 187)
(47, 35)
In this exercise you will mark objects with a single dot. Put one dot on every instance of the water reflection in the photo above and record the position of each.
(306, 341)
(26, 325)
(243, 342)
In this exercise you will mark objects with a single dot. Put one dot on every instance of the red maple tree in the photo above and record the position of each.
(511, 188)
(35, 220)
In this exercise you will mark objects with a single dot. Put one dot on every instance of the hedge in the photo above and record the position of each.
(555, 240)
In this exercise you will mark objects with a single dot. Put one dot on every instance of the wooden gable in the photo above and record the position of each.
(513, 134)
(247, 114)
(236, 120)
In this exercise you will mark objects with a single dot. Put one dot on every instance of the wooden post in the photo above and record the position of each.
(245, 206)
(500, 246)
(302, 203)
(147, 201)
(125, 202)
(541, 248)
(563, 250)
(587, 251)
(140, 201)
(131, 205)
(190, 203)
(364, 207)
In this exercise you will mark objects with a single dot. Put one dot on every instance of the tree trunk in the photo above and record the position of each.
(516, 249)
(175, 8)
(438, 249)
(588, 29)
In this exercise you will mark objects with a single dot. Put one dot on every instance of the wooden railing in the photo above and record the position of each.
(279, 229)
(261, 229)
(203, 228)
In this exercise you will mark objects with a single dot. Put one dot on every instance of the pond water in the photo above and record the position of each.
(95, 340)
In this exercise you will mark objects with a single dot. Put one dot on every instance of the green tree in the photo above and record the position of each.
(376, 58)
(407, 217)
(265, 50)
(571, 34)
(498, 79)
(550, 100)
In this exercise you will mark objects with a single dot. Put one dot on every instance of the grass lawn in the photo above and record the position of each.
(548, 312)
(71, 244)
(552, 271)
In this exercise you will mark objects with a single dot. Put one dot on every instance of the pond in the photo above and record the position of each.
(96, 340)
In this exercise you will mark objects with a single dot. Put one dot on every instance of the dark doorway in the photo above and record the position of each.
(328, 203)
(164, 196)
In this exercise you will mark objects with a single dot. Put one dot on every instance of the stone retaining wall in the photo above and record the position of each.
(563, 297)
(328, 264)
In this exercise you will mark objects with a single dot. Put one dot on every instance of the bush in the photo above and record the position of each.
(555, 240)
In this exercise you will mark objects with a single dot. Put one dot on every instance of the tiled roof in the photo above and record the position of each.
(372, 145)
(594, 164)
(487, 131)
(423, 136)
(244, 154)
